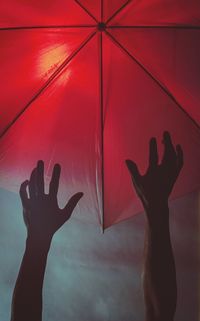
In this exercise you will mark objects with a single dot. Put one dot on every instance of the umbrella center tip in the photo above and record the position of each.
(101, 26)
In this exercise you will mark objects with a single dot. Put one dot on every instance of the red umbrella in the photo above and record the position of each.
(87, 83)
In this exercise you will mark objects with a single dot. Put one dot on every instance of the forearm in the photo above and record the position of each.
(27, 297)
(159, 268)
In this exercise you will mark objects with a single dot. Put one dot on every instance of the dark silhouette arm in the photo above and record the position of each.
(27, 296)
(43, 218)
(154, 188)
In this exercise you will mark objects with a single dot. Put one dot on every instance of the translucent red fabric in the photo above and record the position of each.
(87, 83)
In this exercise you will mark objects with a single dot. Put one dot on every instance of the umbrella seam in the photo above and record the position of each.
(102, 124)
(118, 11)
(46, 27)
(154, 27)
(102, 10)
(86, 10)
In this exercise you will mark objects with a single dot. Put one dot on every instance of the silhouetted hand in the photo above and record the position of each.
(42, 215)
(43, 218)
(155, 186)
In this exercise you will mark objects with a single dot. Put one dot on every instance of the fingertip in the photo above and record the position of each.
(166, 136)
(40, 164)
(57, 168)
(133, 169)
(153, 152)
(153, 144)
(153, 140)
(72, 203)
(57, 165)
(77, 197)
(24, 184)
(80, 194)
(129, 163)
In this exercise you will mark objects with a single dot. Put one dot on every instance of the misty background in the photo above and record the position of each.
(95, 276)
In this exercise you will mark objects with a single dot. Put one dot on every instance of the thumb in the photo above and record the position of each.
(68, 209)
(180, 161)
(133, 169)
(23, 193)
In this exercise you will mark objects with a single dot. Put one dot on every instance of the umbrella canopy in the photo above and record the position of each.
(87, 83)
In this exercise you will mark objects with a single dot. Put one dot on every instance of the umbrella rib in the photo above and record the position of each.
(118, 10)
(86, 10)
(102, 124)
(155, 27)
(48, 82)
(102, 10)
(162, 86)
(46, 27)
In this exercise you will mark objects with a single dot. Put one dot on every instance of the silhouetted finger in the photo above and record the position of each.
(169, 151)
(23, 193)
(54, 184)
(40, 178)
(153, 153)
(68, 210)
(179, 153)
(33, 184)
(132, 167)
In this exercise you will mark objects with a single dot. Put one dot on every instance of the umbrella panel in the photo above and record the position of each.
(44, 13)
(159, 13)
(172, 57)
(30, 58)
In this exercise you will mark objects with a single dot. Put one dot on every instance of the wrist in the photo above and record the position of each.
(158, 215)
(158, 204)
(37, 243)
